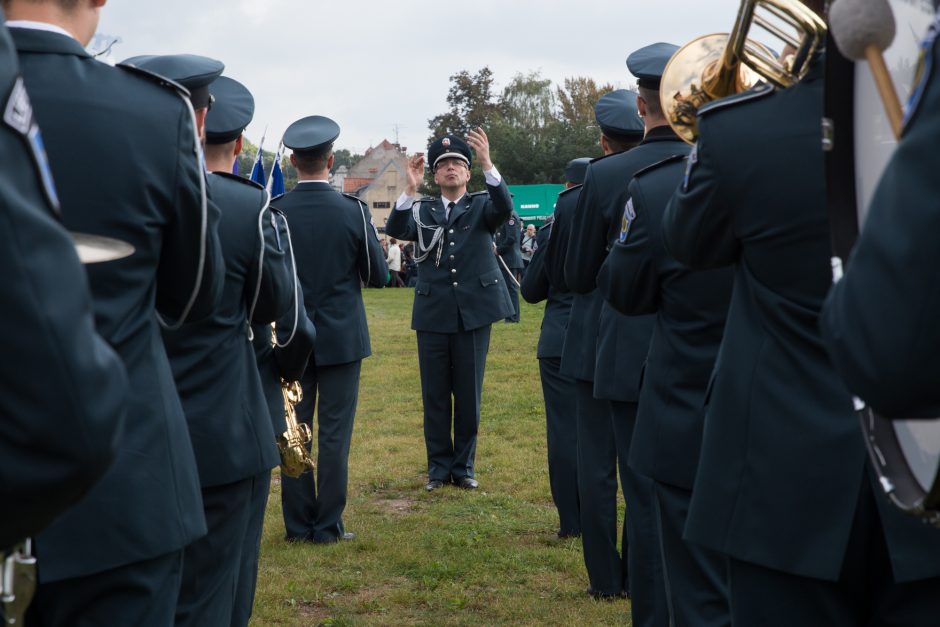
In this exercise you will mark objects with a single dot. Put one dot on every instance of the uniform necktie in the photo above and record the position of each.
(450, 206)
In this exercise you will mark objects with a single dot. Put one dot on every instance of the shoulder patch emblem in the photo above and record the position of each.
(18, 115)
(512, 222)
(629, 215)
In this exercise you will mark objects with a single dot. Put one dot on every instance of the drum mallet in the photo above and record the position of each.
(864, 29)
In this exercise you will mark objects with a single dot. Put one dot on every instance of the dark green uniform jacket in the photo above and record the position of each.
(782, 456)
(536, 288)
(62, 389)
(295, 336)
(622, 342)
(336, 249)
(213, 360)
(880, 321)
(639, 277)
(125, 160)
(467, 283)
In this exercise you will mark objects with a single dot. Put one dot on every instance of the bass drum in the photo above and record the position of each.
(904, 452)
(906, 456)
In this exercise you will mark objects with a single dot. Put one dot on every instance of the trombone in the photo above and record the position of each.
(716, 66)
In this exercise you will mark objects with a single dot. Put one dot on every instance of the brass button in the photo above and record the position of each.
(451, 231)
(455, 283)
(454, 271)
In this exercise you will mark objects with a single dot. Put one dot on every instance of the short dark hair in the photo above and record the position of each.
(621, 143)
(313, 160)
(218, 151)
(653, 104)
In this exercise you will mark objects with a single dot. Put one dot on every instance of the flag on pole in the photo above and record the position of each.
(276, 182)
(257, 172)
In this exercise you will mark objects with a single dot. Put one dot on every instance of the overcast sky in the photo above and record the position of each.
(372, 65)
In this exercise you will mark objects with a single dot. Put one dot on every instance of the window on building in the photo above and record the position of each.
(381, 205)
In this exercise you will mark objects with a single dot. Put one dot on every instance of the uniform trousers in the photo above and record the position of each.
(212, 563)
(248, 571)
(452, 367)
(513, 288)
(866, 593)
(562, 438)
(696, 578)
(313, 509)
(142, 594)
(647, 588)
(597, 447)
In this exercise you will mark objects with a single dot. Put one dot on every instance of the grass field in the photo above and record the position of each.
(451, 557)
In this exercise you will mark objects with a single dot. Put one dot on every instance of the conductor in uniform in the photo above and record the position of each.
(784, 488)
(337, 250)
(214, 366)
(458, 296)
(507, 240)
(116, 557)
(63, 390)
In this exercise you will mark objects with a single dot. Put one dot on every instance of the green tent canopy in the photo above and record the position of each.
(534, 203)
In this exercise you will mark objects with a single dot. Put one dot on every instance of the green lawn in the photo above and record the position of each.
(451, 557)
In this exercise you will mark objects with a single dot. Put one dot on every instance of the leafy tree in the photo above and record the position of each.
(346, 158)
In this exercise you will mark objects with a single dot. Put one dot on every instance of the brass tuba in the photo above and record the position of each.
(715, 66)
(292, 444)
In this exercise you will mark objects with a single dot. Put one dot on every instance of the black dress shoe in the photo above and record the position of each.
(562, 535)
(347, 536)
(434, 484)
(467, 483)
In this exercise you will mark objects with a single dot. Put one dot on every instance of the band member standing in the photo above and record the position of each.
(458, 296)
(215, 370)
(783, 487)
(337, 250)
(507, 240)
(638, 278)
(64, 389)
(116, 557)
(558, 390)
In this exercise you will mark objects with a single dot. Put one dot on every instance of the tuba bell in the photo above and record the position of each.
(716, 66)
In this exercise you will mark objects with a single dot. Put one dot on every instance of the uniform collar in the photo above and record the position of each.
(660, 134)
(29, 39)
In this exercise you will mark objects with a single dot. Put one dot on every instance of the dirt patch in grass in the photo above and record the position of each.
(396, 506)
(313, 612)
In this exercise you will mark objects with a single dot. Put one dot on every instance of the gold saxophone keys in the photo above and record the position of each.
(292, 444)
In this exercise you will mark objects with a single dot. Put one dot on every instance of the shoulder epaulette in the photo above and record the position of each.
(153, 77)
(279, 196)
(659, 164)
(350, 196)
(234, 177)
(548, 222)
(571, 189)
(758, 91)
(472, 194)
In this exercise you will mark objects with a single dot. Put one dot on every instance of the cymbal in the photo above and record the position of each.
(98, 249)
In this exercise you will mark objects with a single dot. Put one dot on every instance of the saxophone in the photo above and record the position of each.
(292, 444)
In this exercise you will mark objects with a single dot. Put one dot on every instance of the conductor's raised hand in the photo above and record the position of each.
(415, 173)
(481, 146)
